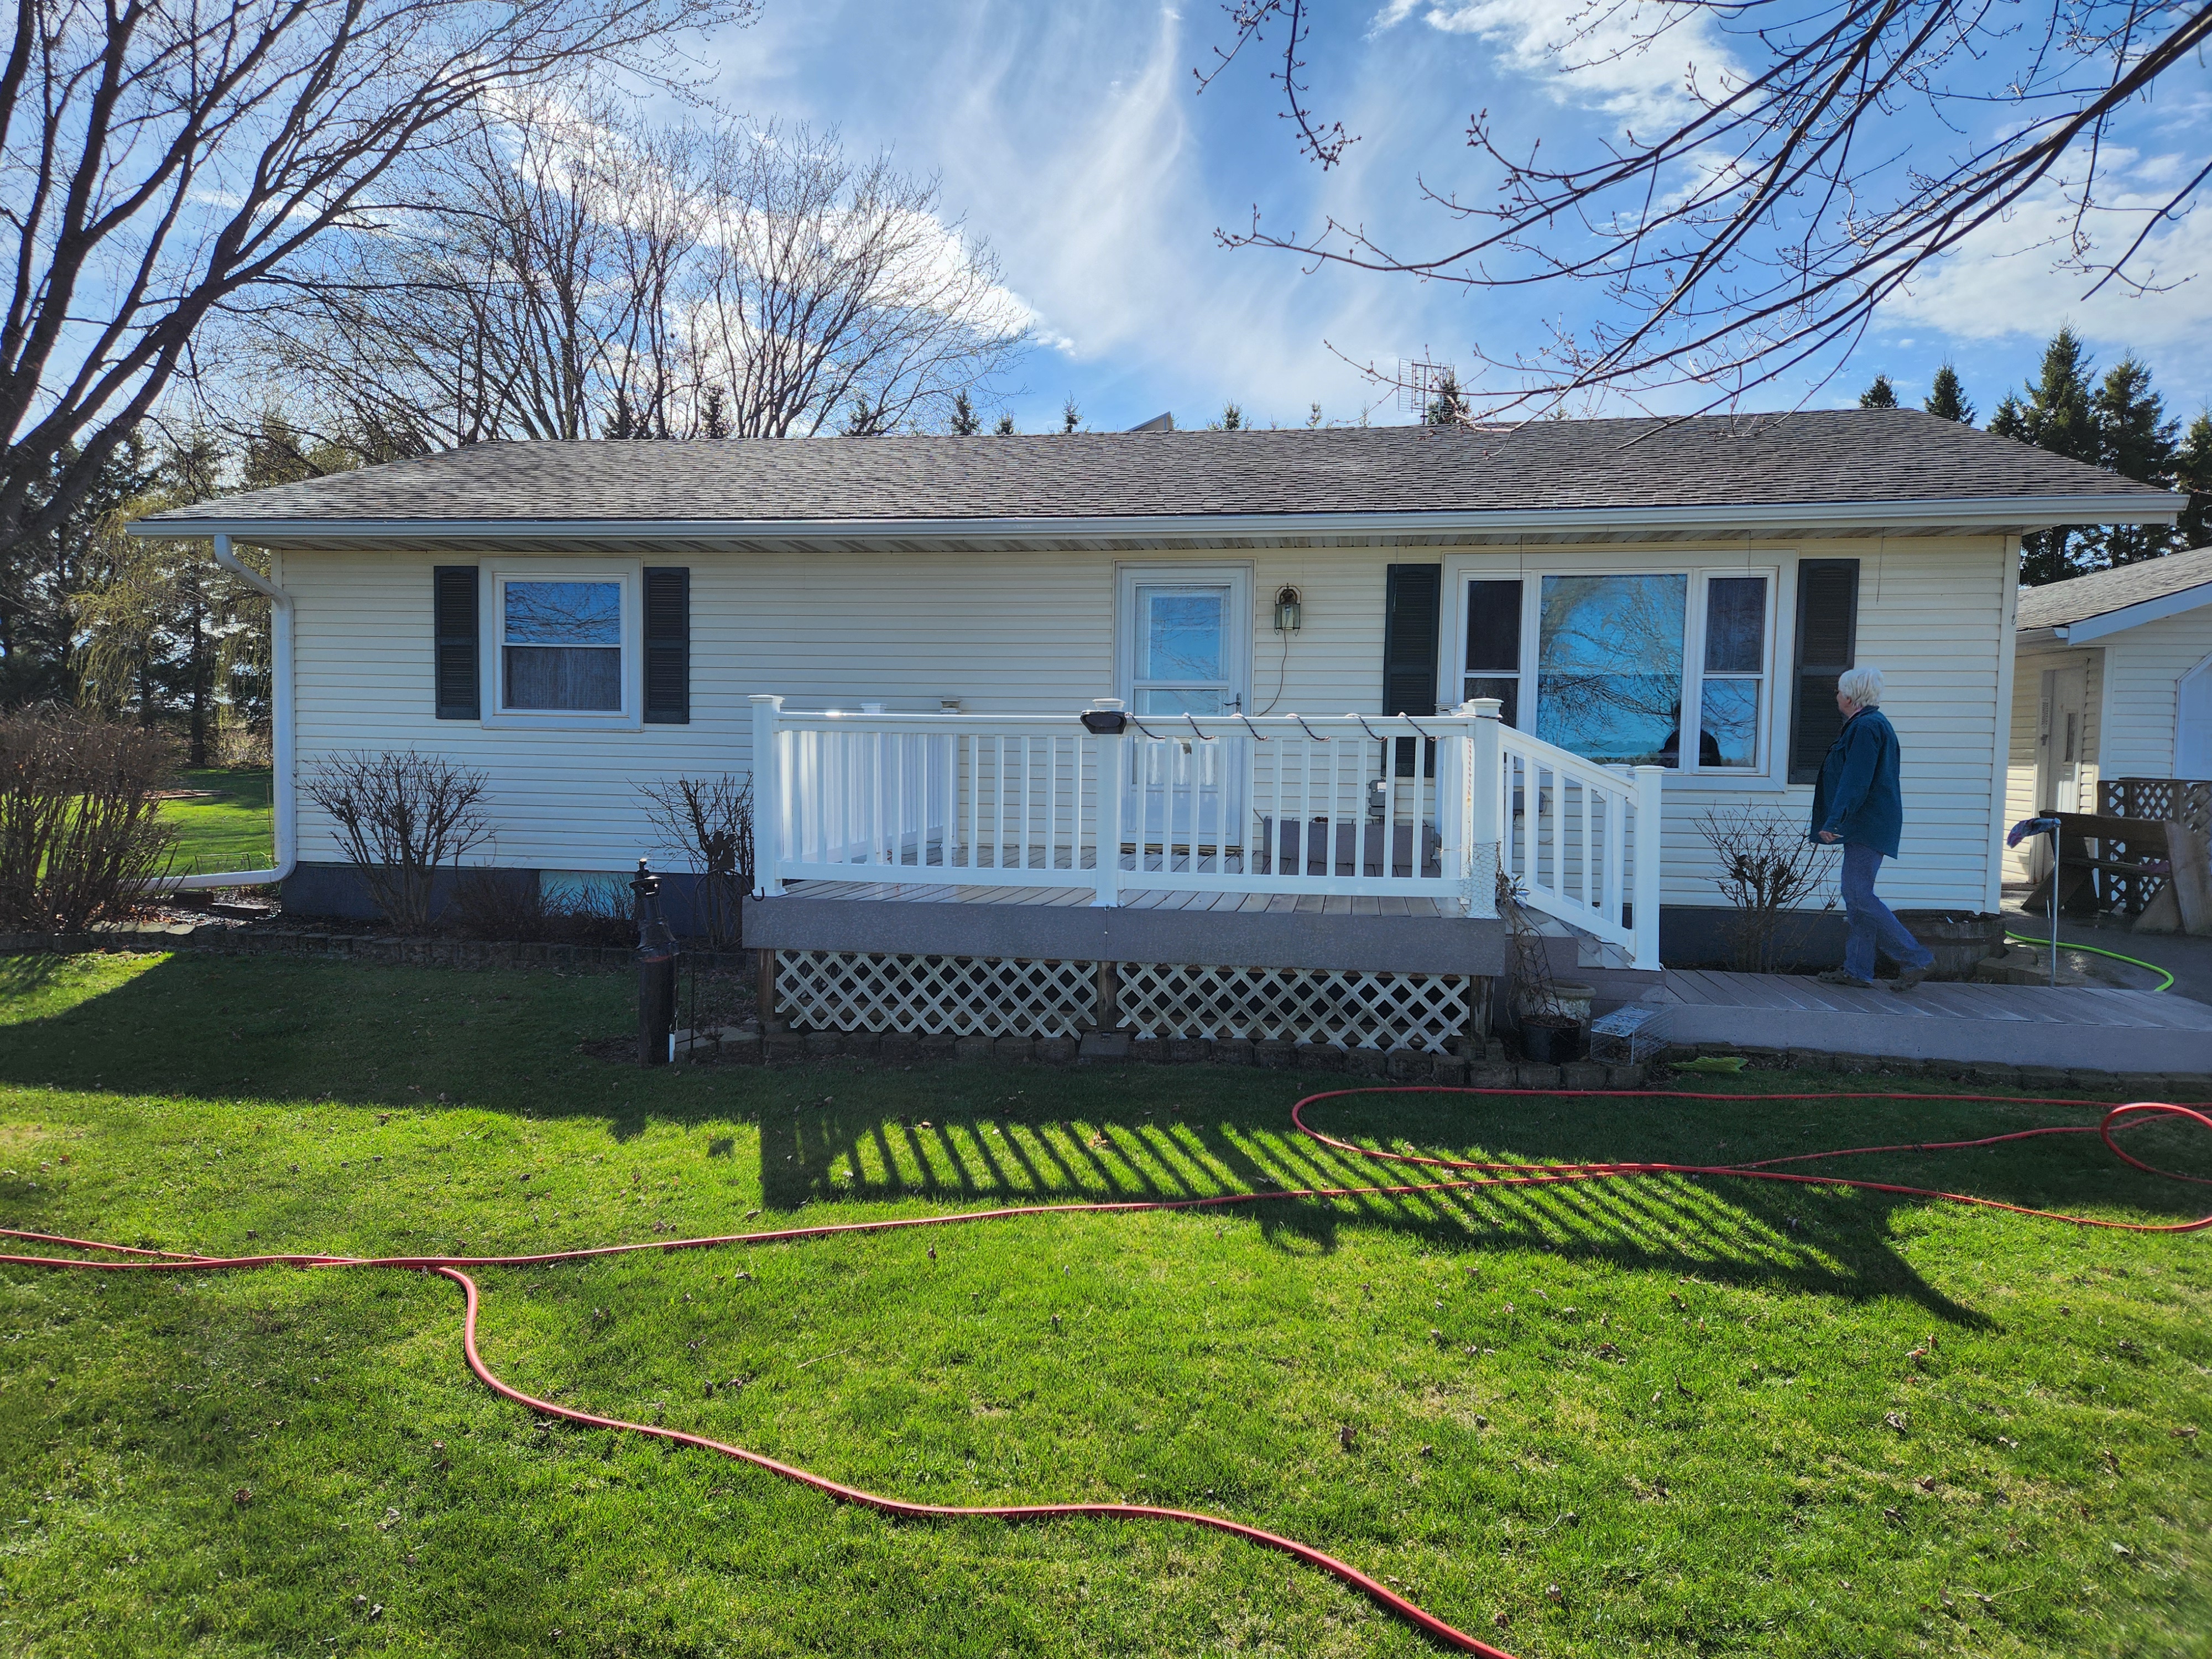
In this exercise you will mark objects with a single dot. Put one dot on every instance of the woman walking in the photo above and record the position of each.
(1857, 802)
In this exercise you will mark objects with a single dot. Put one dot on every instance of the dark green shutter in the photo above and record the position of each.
(667, 645)
(1828, 644)
(460, 686)
(1413, 600)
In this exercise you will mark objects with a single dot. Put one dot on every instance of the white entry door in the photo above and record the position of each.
(2059, 745)
(1186, 635)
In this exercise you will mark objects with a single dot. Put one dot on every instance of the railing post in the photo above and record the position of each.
(770, 806)
(1649, 839)
(1111, 749)
(1485, 834)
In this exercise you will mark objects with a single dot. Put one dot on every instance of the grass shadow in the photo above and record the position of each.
(982, 1134)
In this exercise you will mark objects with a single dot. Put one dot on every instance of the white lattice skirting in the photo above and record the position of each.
(988, 996)
(966, 996)
(1351, 1009)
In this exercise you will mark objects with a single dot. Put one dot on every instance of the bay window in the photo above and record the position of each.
(1616, 666)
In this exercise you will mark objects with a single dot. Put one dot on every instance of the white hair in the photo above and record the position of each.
(1861, 685)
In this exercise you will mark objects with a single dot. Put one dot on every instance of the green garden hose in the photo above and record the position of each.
(2166, 980)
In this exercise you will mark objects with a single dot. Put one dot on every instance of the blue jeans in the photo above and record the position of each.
(1874, 926)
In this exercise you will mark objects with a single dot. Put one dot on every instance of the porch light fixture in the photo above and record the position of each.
(1290, 611)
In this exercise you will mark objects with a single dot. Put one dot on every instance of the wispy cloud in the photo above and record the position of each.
(2005, 279)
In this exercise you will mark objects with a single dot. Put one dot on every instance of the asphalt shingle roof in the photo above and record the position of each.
(1827, 456)
(2077, 598)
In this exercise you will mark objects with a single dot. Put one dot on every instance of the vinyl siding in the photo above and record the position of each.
(2147, 663)
(1010, 631)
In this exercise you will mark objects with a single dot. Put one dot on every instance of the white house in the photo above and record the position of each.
(1285, 620)
(2114, 680)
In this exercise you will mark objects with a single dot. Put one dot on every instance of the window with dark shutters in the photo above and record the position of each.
(1412, 602)
(1828, 641)
(667, 645)
(459, 687)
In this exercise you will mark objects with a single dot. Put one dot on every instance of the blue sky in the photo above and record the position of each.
(1072, 136)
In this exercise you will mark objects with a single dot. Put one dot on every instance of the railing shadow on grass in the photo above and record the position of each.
(985, 1136)
(1121, 1145)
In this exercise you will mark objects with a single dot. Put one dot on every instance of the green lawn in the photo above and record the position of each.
(1721, 1481)
(232, 828)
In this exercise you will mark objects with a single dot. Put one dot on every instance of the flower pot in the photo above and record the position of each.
(1551, 1039)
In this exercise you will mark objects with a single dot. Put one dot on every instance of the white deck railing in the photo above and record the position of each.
(1349, 805)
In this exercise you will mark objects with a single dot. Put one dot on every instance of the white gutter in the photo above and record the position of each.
(1968, 512)
(282, 744)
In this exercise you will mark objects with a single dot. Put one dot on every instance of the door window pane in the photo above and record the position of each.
(1609, 666)
(1182, 633)
(1180, 700)
(1735, 625)
(562, 646)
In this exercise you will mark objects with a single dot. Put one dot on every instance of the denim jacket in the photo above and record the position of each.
(1857, 799)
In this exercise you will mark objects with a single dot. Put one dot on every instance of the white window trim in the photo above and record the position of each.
(494, 574)
(1700, 568)
(1238, 579)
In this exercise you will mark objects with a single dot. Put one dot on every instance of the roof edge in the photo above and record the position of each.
(2123, 617)
(1989, 512)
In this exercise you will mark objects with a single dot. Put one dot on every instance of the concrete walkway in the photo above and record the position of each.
(2189, 960)
(2086, 1030)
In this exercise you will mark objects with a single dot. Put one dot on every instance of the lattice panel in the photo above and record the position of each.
(2163, 800)
(966, 996)
(1302, 1005)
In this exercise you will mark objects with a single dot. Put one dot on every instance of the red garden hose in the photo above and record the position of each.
(1489, 1174)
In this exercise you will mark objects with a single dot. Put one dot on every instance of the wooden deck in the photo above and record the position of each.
(1279, 905)
(2093, 1029)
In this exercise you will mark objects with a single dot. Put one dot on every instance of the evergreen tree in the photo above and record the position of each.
(2192, 471)
(2135, 441)
(2010, 420)
(1071, 418)
(2060, 416)
(1947, 398)
(1447, 406)
(715, 412)
(1881, 395)
(1232, 420)
(42, 579)
(966, 422)
(1005, 428)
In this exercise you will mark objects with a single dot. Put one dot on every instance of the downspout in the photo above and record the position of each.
(281, 746)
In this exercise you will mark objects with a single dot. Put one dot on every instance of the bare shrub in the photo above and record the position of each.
(400, 818)
(592, 914)
(708, 823)
(1767, 870)
(500, 904)
(512, 905)
(81, 836)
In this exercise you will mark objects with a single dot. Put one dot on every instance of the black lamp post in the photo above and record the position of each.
(656, 971)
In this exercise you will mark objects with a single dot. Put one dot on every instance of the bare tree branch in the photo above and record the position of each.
(1758, 235)
(158, 160)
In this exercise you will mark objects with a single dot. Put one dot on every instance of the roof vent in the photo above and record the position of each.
(1158, 423)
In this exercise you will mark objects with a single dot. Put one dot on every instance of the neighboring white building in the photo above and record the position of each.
(2114, 680)
(575, 619)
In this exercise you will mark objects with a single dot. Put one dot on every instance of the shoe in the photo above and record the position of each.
(1907, 978)
(1838, 976)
